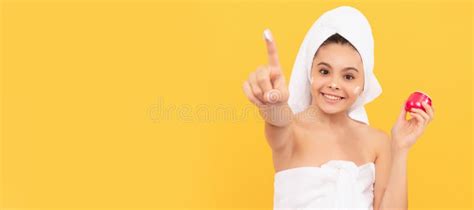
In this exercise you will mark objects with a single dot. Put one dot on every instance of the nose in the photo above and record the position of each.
(333, 85)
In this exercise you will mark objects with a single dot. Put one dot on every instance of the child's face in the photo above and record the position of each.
(337, 70)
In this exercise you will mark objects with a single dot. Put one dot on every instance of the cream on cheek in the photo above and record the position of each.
(357, 90)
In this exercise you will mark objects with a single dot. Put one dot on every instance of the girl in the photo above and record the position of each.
(325, 154)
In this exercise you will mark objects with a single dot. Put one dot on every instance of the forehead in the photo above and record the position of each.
(338, 56)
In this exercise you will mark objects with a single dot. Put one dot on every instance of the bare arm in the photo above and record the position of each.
(382, 168)
(278, 125)
(396, 196)
(404, 135)
(391, 179)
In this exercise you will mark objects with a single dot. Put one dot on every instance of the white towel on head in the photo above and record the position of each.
(351, 24)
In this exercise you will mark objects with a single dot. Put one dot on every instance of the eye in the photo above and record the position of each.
(349, 76)
(323, 70)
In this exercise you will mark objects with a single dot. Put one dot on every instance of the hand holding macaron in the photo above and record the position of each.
(406, 132)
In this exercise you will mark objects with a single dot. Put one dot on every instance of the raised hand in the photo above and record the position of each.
(267, 85)
(406, 132)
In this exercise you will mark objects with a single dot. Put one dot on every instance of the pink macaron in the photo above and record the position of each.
(415, 100)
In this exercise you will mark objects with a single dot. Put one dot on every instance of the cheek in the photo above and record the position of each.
(356, 90)
(358, 86)
(316, 84)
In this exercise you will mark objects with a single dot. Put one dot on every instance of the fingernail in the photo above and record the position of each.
(267, 35)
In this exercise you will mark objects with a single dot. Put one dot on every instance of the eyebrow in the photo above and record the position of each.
(345, 69)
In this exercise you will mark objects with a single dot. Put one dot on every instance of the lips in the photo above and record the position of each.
(331, 100)
(331, 95)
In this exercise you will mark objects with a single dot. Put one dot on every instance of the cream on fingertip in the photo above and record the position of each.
(267, 34)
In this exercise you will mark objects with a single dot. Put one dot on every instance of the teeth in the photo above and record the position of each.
(332, 97)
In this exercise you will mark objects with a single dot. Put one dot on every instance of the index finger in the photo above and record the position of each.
(271, 49)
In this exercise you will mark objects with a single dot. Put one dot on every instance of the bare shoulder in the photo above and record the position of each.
(379, 139)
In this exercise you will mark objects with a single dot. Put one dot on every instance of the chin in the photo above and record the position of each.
(332, 110)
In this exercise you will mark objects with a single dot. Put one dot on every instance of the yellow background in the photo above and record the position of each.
(85, 86)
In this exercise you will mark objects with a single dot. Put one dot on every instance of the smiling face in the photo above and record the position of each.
(337, 70)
